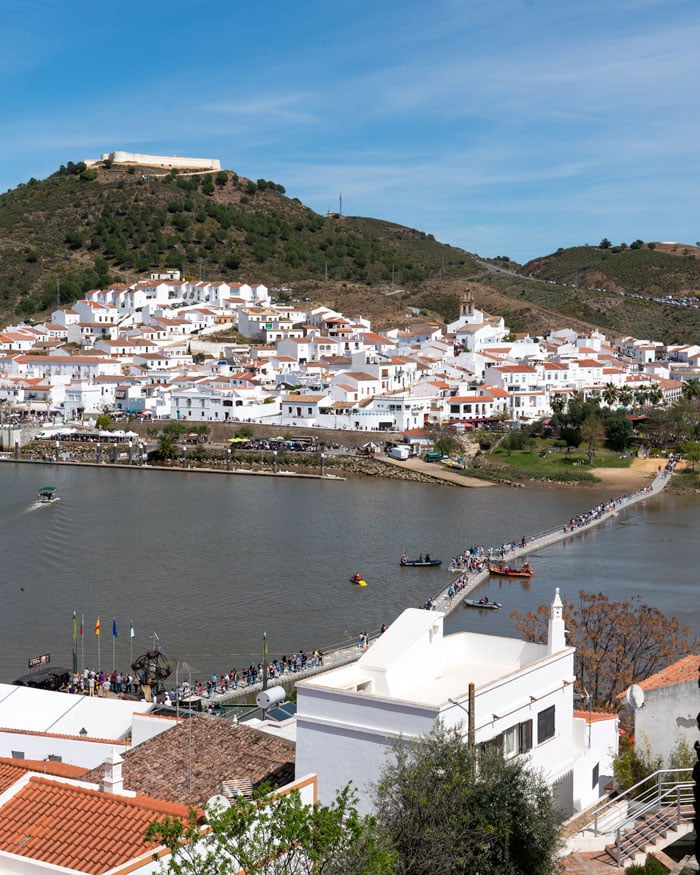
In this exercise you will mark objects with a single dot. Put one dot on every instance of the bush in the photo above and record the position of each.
(517, 440)
(651, 867)
(633, 763)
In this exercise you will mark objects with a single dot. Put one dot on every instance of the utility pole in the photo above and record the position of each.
(340, 204)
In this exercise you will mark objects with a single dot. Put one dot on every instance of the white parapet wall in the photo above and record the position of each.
(169, 161)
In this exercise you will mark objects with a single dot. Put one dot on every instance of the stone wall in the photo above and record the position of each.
(168, 161)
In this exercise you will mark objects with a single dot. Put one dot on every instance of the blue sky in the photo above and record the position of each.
(505, 127)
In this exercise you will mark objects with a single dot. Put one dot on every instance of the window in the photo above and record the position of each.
(511, 743)
(517, 739)
(545, 724)
(525, 736)
(596, 776)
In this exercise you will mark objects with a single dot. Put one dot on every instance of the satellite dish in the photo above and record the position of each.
(634, 697)
(216, 804)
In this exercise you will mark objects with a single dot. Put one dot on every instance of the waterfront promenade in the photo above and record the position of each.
(443, 602)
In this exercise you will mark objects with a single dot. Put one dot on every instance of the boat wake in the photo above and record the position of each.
(35, 505)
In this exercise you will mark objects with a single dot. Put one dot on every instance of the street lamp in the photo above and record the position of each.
(184, 455)
(114, 453)
(58, 447)
(323, 458)
(131, 447)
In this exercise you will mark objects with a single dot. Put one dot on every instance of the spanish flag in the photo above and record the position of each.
(97, 626)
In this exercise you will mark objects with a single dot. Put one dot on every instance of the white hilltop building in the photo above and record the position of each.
(521, 695)
(167, 162)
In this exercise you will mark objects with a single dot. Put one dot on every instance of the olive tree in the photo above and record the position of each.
(444, 809)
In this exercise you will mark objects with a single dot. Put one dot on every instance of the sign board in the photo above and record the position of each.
(44, 659)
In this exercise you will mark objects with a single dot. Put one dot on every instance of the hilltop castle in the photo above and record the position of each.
(168, 162)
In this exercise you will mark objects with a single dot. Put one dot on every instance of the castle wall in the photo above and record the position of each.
(169, 161)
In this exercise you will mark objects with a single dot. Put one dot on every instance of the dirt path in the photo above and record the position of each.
(639, 473)
(437, 471)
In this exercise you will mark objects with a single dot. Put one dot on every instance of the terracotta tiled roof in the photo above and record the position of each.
(12, 769)
(594, 716)
(680, 672)
(77, 828)
(189, 762)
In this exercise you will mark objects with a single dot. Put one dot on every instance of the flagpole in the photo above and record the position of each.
(82, 641)
(99, 648)
(264, 665)
(115, 635)
(131, 644)
(75, 642)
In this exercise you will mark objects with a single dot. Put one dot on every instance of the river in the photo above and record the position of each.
(207, 563)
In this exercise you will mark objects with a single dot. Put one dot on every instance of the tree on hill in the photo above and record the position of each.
(443, 809)
(617, 643)
(604, 243)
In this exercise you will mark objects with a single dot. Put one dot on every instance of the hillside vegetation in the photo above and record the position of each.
(84, 228)
(665, 269)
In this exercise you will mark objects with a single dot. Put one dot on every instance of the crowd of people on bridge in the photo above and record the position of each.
(477, 558)
(100, 683)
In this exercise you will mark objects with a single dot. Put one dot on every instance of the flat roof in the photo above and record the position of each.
(25, 709)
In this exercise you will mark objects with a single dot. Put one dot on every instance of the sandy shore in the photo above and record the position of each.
(640, 473)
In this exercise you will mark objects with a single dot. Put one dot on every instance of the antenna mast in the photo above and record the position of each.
(340, 204)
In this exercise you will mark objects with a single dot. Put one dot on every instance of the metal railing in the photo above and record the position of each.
(666, 791)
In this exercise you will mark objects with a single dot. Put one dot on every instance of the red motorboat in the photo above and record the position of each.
(503, 570)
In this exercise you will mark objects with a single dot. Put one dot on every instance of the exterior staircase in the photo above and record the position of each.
(653, 830)
(647, 817)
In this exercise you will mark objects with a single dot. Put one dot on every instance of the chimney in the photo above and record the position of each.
(113, 781)
(556, 634)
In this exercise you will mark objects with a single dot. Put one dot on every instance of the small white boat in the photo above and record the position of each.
(47, 494)
(482, 606)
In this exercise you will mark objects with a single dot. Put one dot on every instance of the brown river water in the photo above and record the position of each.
(208, 563)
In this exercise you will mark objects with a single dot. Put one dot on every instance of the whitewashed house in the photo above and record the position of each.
(517, 696)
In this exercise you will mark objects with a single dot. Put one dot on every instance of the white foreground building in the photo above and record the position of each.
(349, 718)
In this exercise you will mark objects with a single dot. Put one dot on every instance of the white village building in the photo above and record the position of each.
(522, 697)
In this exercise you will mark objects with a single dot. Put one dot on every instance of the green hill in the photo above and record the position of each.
(83, 228)
(651, 269)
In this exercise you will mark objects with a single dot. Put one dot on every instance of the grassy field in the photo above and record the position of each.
(544, 461)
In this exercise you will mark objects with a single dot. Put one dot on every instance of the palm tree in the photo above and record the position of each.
(610, 394)
(640, 397)
(655, 396)
(625, 396)
(557, 403)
